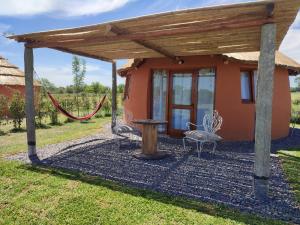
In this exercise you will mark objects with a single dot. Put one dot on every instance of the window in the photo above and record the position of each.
(248, 85)
(206, 93)
(159, 95)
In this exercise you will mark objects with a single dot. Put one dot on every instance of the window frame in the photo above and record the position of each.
(250, 73)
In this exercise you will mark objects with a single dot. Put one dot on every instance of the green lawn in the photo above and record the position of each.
(16, 142)
(37, 195)
(291, 165)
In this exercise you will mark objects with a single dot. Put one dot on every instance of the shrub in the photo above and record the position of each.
(68, 105)
(295, 118)
(17, 110)
(3, 110)
(53, 114)
(296, 102)
(107, 107)
(42, 106)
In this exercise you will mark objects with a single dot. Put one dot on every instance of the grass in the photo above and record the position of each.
(291, 165)
(12, 143)
(37, 195)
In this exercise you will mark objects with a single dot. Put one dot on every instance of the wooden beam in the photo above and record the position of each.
(82, 54)
(29, 104)
(154, 34)
(266, 66)
(270, 9)
(114, 95)
(112, 29)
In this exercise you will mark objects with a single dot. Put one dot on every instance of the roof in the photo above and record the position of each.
(200, 31)
(11, 74)
(280, 60)
(246, 57)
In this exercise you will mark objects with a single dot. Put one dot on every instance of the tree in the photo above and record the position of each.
(297, 80)
(95, 87)
(78, 71)
(48, 85)
(121, 88)
(17, 110)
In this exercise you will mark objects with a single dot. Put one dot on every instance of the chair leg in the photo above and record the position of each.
(197, 144)
(214, 148)
(183, 141)
(200, 150)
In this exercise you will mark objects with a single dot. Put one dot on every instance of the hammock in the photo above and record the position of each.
(63, 111)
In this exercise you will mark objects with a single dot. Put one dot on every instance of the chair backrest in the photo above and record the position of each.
(212, 122)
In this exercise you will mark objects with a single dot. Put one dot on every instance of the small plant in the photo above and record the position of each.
(296, 102)
(42, 106)
(3, 111)
(107, 107)
(295, 118)
(17, 110)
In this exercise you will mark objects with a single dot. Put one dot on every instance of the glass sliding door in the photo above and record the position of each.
(206, 93)
(159, 96)
(181, 106)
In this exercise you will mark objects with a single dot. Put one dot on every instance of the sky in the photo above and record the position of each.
(18, 17)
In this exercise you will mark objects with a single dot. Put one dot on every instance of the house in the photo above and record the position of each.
(12, 79)
(179, 93)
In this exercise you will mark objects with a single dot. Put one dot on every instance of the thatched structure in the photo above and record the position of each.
(11, 75)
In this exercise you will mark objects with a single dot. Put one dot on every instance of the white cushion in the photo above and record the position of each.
(202, 135)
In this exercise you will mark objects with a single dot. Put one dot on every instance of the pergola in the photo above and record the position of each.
(254, 26)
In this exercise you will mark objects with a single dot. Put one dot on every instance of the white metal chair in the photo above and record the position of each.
(126, 130)
(212, 122)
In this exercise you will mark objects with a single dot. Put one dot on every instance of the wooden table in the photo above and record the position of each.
(149, 140)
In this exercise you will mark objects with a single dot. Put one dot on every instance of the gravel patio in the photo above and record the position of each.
(224, 177)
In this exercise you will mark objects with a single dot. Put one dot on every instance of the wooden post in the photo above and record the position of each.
(29, 104)
(114, 95)
(263, 122)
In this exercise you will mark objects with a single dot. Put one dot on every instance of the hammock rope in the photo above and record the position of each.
(57, 105)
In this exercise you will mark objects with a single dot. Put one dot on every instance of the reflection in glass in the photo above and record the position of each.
(179, 118)
(206, 92)
(159, 96)
(245, 86)
(182, 89)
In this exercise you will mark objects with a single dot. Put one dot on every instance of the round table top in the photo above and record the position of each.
(149, 121)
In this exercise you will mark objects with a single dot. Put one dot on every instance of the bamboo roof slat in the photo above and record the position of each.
(209, 30)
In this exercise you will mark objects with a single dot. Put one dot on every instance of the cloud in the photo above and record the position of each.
(62, 75)
(290, 45)
(4, 28)
(64, 8)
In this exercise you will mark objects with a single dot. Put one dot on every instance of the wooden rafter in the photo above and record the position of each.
(112, 29)
(83, 54)
(192, 29)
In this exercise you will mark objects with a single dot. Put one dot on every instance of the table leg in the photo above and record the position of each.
(149, 141)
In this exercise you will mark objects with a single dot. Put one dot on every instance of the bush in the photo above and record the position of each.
(107, 106)
(296, 102)
(42, 107)
(17, 110)
(3, 111)
(295, 118)
(53, 114)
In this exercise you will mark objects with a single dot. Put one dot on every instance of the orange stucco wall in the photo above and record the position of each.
(9, 90)
(238, 117)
